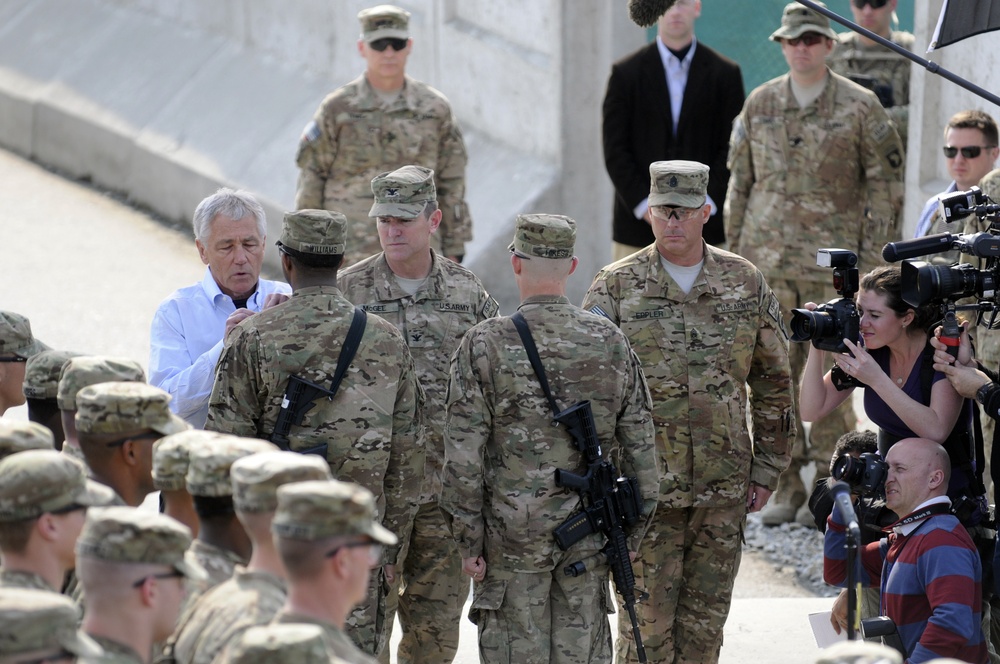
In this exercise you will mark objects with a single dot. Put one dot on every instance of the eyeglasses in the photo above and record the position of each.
(172, 574)
(152, 435)
(810, 39)
(667, 212)
(374, 551)
(384, 43)
(968, 151)
(520, 255)
(72, 507)
(875, 4)
(13, 358)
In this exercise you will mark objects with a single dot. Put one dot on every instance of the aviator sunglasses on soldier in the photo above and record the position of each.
(968, 151)
(875, 4)
(810, 39)
(384, 43)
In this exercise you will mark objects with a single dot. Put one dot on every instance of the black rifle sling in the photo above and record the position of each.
(350, 347)
(536, 362)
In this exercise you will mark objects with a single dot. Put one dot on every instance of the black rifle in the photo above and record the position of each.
(611, 504)
(300, 395)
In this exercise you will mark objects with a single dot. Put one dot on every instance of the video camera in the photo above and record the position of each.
(923, 282)
(829, 324)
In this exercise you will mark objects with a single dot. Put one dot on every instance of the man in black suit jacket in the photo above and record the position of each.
(647, 121)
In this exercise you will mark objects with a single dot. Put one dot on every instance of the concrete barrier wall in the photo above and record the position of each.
(933, 100)
(166, 101)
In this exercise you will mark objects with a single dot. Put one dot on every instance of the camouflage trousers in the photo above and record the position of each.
(687, 563)
(432, 595)
(823, 435)
(366, 624)
(543, 617)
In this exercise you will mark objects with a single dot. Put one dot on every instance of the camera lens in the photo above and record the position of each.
(808, 325)
(848, 469)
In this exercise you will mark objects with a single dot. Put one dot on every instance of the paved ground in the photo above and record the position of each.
(89, 271)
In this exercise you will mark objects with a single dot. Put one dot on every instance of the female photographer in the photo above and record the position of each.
(889, 365)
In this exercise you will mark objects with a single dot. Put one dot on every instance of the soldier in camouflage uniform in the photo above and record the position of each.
(117, 424)
(815, 162)
(256, 592)
(80, 372)
(329, 540)
(134, 573)
(41, 386)
(369, 430)
(380, 121)
(17, 346)
(706, 326)
(171, 456)
(281, 644)
(18, 436)
(874, 66)
(38, 626)
(222, 544)
(502, 450)
(432, 301)
(44, 498)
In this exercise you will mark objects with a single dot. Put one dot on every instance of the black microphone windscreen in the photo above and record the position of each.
(921, 246)
(648, 12)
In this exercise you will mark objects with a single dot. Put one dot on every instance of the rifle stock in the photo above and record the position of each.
(296, 402)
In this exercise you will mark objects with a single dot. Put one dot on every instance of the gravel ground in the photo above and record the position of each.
(793, 551)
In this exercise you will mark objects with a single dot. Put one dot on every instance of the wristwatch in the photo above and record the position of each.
(983, 392)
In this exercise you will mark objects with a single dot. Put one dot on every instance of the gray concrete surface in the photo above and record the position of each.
(89, 272)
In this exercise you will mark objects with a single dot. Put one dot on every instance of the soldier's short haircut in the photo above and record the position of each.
(303, 559)
(430, 208)
(232, 203)
(975, 119)
(14, 535)
(325, 262)
(214, 507)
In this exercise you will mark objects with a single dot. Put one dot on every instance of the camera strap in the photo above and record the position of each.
(536, 362)
(920, 515)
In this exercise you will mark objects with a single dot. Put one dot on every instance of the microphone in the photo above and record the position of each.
(921, 246)
(647, 12)
(841, 494)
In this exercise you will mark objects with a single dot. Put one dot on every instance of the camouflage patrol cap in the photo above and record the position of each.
(171, 456)
(314, 232)
(278, 642)
(41, 373)
(384, 21)
(680, 183)
(16, 338)
(543, 236)
(38, 481)
(79, 372)
(35, 621)
(859, 652)
(319, 509)
(124, 407)
(208, 465)
(17, 436)
(798, 19)
(256, 478)
(131, 535)
(403, 192)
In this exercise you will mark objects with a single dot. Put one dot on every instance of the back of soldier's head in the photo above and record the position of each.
(41, 387)
(256, 479)
(18, 436)
(40, 625)
(83, 371)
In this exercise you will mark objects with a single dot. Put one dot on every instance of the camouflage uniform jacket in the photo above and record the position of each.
(352, 138)
(114, 653)
(890, 70)
(371, 426)
(27, 580)
(336, 639)
(502, 448)
(699, 352)
(433, 322)
(218, 562)
(803, 179)
(225, 612)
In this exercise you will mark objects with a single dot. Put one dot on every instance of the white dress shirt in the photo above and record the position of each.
(186, 342)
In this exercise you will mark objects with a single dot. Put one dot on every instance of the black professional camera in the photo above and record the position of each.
(923, 282)
(865, 474)
(831, 323)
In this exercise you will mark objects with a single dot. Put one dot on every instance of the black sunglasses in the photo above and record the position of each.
(13, 358)
(809, 39)
(152, 435)
(384, 43)
(875, 4)
(172, 574)
(969, 151)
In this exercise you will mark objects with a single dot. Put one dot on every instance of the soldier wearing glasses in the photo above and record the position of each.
(378, 122)
(17, 346)
(705, 326)
(815, 162)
